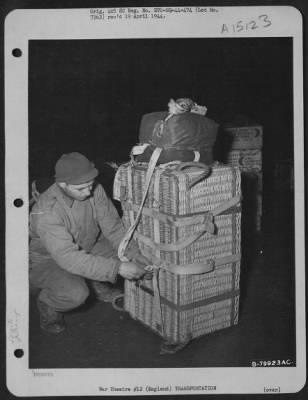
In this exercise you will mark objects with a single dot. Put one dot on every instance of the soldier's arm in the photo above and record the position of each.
(66, 253)
(110, 222)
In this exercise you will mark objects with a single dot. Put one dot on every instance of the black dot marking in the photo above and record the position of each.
(18, 353)
(18, 203)
(17, 52)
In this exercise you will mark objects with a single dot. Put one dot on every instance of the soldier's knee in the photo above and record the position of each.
(78, 295)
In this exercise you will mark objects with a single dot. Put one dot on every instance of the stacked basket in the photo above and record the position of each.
(190, 230)
(243, 148)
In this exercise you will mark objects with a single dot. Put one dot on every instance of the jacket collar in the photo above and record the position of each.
(62, 197)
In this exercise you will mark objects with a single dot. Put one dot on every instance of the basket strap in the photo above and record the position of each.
(168, 246)
(156, 205)
(185, 307)
(183, 220)
(197, 156)
(138, 149)
(200, 268)
(226, 205)
(207, 226)
(157, 303)
(196, 268)
(126, 239)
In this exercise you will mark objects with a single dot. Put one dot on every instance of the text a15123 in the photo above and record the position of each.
(262, 21)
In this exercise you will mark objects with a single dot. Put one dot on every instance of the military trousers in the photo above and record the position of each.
(60, 289)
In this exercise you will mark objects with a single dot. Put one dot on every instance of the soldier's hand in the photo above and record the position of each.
(141, 260)
(130, 270)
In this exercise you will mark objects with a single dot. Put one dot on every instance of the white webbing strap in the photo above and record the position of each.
(197, 156)
(207, 226)
(195, 268)
(139, 149)
(124, 243)
(156, 206)
(182, 220)
(226, 205)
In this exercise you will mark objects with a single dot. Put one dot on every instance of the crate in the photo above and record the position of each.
(178, 303)
(246, 160)
(243, 137)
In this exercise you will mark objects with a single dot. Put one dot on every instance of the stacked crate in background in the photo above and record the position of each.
(242, 145)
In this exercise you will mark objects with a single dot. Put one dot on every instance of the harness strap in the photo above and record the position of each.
(194, 268)
(178, 220)
(207, 226)
(169, 246)
(124, 243)
(190, 306)
(157, 307)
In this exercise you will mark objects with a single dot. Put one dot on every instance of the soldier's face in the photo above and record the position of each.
(78, 192)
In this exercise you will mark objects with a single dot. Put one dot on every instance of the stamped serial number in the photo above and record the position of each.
(262, 21)
(272, 363)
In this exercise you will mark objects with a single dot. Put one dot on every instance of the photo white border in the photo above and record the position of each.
(43, 24)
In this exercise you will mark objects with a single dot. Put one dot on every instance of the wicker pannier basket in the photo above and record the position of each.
(190, 229)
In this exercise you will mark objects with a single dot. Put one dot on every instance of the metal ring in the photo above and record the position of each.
(114, 302)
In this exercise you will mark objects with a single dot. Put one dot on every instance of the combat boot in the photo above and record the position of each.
(50, 320)
(104, 291)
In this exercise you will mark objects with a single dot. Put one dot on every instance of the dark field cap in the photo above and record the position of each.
(74, 169)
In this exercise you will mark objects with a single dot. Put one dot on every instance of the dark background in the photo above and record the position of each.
(89, 95)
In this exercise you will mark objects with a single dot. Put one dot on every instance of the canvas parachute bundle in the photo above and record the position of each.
(183, 132)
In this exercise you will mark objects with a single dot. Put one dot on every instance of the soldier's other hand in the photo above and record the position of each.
(141, 260)
(130, 270)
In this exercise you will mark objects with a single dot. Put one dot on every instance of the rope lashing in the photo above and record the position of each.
(180, 106)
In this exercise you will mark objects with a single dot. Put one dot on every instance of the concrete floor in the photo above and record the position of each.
(98, 336)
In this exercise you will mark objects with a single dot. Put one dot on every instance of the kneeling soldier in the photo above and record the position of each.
(75, 232)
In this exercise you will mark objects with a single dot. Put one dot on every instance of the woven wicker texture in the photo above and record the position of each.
(192, 305)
